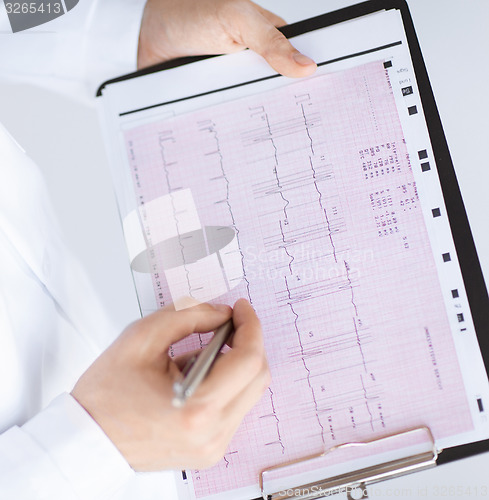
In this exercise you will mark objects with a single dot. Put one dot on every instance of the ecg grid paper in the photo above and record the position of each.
(316, 182)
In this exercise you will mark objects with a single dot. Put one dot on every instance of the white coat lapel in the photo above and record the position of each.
(27, 219)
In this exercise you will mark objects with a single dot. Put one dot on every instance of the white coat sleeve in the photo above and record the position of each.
(60, 454)
(74, 53)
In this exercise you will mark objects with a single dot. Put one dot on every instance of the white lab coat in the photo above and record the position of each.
(76, 52)
(51, 325)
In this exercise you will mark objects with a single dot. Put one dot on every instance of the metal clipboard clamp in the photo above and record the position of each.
(349, 481)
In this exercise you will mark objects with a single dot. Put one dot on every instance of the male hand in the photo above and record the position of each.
(177, 28)
(128, 389)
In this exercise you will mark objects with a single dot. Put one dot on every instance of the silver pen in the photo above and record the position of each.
(199, 365)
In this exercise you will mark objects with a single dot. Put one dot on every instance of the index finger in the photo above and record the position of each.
(164, 327)
(236, 369)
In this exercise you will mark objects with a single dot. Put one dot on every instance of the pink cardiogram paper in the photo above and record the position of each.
(316, 181)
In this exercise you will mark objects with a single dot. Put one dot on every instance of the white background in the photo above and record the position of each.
(63, 136)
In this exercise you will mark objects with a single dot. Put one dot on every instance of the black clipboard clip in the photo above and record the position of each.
(357, 479)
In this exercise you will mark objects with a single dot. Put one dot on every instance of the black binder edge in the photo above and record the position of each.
(462, 235)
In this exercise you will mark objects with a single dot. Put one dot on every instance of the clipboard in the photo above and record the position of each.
(465, 249)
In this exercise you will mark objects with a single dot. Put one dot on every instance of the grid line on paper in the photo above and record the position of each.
(316, 180)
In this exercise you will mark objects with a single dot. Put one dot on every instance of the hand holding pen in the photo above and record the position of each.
(129, 390)
(199, 364)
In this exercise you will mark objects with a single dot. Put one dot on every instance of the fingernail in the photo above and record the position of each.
(302, 59)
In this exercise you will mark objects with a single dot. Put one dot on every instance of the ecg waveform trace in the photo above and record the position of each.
(316, 181)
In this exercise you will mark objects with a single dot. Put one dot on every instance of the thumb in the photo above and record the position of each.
(260, 35)
(165, 327)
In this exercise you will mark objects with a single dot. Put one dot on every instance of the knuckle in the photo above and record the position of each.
(197, 419)
(210, 452)
(229, 9)
(146, 327)
(275, 41)
(202, 307)
(133, 329)
(192, 420)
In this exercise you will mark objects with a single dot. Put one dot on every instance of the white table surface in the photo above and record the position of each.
(63, 136)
